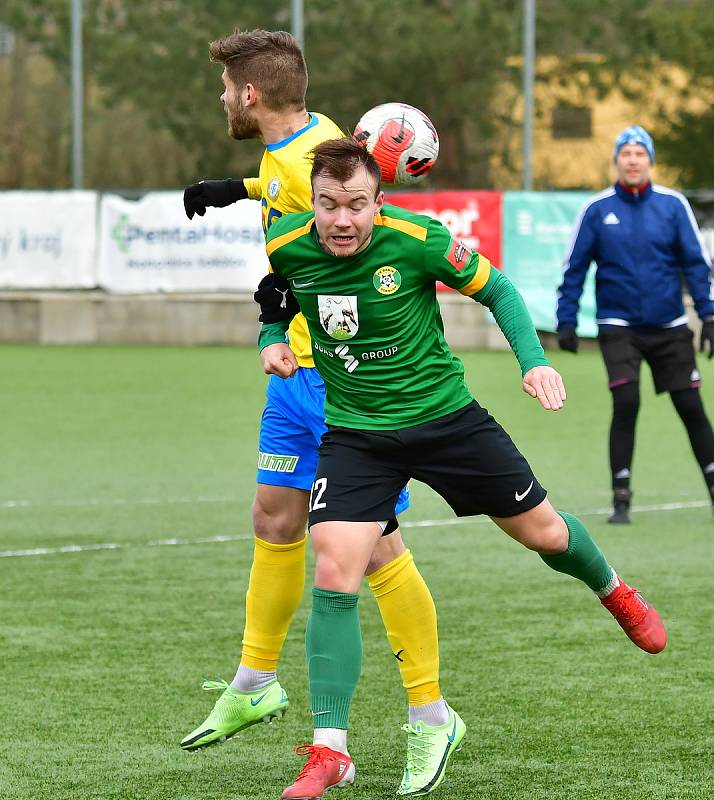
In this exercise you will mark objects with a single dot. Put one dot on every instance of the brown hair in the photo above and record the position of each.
(271, 60)
(341, 158)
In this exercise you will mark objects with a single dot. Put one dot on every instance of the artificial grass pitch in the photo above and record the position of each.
(148, 454)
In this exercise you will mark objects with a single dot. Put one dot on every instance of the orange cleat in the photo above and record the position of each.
(324, 770)
(636, 617)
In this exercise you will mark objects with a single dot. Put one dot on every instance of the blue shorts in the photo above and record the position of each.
(291, 428)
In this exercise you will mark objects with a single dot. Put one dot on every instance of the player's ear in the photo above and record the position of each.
(251, 94)
(379, 201)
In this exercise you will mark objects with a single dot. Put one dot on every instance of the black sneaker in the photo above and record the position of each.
(621, 501)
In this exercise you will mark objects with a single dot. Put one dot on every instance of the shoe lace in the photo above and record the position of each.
(214, 685)
(627, 604)
(318, 756)
(419, 744)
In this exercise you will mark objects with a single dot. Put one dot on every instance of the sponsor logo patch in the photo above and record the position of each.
(457, 254)
(387, 280)
(273, 462)
(343, 351)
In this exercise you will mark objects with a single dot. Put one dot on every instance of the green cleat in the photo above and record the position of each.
(428, 752)
(235, 711)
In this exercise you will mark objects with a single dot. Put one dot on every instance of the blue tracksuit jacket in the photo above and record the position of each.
(643, 245)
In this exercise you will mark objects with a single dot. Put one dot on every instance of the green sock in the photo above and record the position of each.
(583, 559)
(333, 643)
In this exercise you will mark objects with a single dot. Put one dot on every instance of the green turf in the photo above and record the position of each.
(103, 652)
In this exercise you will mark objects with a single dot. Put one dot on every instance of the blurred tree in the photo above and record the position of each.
(155, 55)
(686, 137)
(152, 114)
(152, 111)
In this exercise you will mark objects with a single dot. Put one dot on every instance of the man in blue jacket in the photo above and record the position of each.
(644, 241)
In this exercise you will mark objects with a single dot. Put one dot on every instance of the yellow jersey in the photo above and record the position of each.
(283, 187)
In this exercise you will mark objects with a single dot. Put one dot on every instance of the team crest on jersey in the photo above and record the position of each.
(457, 254)
(338, 315)
(274, 188)
(387, 280)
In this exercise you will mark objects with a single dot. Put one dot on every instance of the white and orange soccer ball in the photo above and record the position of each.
(402, 139)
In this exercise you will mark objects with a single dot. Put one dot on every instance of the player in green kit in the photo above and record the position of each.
(397, 408)
(264, 84)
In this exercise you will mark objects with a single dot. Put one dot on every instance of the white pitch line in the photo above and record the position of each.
(51, 551)
(591, 512)
(119, 501)
(220, 539)
(83, 548)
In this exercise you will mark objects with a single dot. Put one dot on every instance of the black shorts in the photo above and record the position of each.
(465, 456)
(668, 351)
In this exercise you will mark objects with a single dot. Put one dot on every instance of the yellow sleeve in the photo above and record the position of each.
(252, 186)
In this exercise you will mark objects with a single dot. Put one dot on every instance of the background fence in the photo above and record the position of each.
(89, 240)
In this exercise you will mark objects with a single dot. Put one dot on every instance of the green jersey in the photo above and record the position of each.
(377, 333)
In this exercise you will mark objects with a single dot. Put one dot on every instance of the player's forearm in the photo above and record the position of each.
(699, 286)
(272, 333)
(504, 301)
(569, 293)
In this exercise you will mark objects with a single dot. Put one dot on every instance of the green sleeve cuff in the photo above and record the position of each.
(272, 333)
(504, 301)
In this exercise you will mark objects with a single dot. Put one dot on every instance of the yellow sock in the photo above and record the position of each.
(275, 588)
(409, 616)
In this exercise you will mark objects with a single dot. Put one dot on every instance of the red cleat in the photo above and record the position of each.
(324, 770)
(636, 617)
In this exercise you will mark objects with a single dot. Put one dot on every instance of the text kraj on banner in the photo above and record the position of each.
(472, 217)
(149, 245)
(48, 240)
(537, 233)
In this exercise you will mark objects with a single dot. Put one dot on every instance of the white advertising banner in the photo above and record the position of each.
(149, 246)
(48, 240)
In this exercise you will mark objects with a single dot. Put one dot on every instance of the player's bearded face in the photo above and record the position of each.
(344, 213)
(241, 123)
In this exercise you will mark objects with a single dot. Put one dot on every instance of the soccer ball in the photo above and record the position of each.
(402, 140)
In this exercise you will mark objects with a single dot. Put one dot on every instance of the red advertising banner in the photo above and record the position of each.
(472, 217)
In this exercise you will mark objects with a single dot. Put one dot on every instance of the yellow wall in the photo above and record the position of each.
(587, 163)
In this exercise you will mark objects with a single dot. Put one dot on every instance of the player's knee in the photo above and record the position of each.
(626, 400)
(334, 575)
(387, 549)
(274, 525)
(551, 538)
(690, 408)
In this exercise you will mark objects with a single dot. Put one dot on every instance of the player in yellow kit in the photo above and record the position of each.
(265, 81)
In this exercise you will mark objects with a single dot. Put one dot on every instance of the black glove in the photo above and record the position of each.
(568, 340)
(199, 196)
(706, 337)
(276, 300)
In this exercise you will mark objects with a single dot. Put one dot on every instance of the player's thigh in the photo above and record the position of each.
(290, 429)
(541, 529)
(342, 553)
(386, 550)
(621, 355)
(672, 360)
(359, 476)
(470, 460)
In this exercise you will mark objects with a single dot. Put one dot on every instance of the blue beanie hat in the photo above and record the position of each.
(635, 135)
